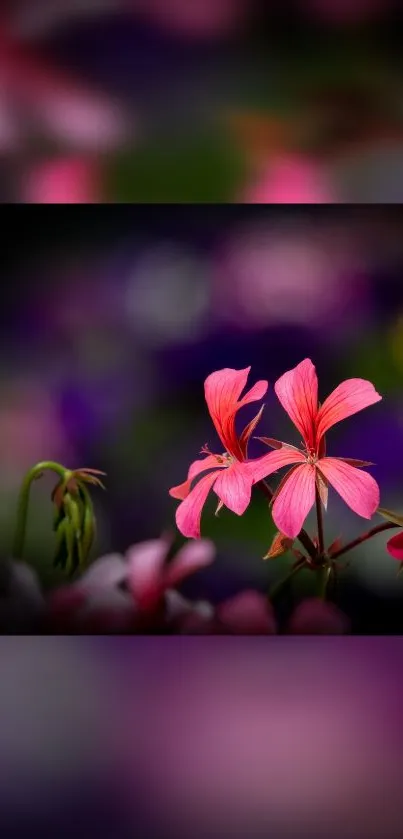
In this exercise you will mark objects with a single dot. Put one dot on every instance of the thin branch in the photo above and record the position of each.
(364, 537)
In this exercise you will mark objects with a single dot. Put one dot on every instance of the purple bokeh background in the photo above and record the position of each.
(115, 317)
(299, 736)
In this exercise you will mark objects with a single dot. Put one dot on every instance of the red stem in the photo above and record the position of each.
(363, 538)
(321, 538)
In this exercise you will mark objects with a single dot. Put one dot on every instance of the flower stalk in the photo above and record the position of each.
(319, 518)
(277, 590)
(33, 474)
(324, 575)
(380, 528)
(74, 519)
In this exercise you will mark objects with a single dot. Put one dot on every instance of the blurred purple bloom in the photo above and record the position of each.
(275, 274)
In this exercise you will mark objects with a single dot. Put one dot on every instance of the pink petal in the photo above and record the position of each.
(295, 500)
(145, 562)
(283, 482)
(258, 391)
(395, 546)
(190, 558)
(189, 512)
(198, 466)
(222, 391)
(357, 488)
(349, 397)
(297, 391)
(105, 573)
(247, 613)
(234, 488)
(315, 617)
(261, 467)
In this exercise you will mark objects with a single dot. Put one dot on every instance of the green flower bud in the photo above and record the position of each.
(88, 533)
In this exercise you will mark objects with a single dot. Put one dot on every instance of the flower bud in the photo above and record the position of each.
(279, 546)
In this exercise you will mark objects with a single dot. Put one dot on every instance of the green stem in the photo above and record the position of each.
(303, 537)
(364, 536)
(319, 516)
(23, 501)
(324, 574)
(279, 587)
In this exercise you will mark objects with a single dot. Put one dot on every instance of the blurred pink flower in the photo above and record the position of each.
(290, 179)
(70, 180)
(132, 591)
(234, 486)
(394, 546)
(317, 617)
(290, 271)
(297, 391)
(69, 112)
(346, 11)
(198, 18)
(250, 613)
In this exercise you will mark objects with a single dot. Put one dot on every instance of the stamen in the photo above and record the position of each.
(311, 456)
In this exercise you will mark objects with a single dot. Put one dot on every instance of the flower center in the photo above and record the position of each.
(225, 458)
(311, 456)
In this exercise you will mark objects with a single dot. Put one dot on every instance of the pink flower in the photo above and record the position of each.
(395, 546)
(234, 485)
(69, 180)
(250, 613)
(73, 115)
(297, 391)
(290, 179)
(128, 592)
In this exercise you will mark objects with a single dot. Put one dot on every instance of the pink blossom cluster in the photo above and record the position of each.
(232, 474)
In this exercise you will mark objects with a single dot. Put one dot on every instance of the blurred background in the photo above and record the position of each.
(280, 101)
(114, 318)
(201, 737)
